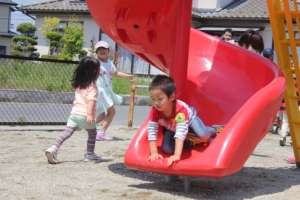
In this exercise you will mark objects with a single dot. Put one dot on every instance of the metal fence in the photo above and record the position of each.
(35, 91)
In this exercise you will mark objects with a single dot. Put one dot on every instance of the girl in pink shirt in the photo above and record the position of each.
(83, 110)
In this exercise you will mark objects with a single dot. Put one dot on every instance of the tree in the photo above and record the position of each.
(65, 39)
(73, 40)
(50, 31)
(23, 44)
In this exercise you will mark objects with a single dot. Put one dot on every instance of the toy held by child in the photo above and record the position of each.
(106, 98)
(175, 117)
(83, 110)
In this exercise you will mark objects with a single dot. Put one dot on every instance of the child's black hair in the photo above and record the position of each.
(229, 30)
(86, 72)
(252, 38)
(164, 83)
(257, 42)
(245, 38)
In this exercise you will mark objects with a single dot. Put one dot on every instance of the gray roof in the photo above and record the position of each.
(239, 9)
(8, 2)
(73, 6)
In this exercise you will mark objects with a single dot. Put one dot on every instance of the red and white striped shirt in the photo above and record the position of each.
(178, 122)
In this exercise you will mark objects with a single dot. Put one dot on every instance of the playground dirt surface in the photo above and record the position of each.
(25, 174)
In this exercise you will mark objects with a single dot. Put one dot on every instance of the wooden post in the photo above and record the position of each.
(131, 104)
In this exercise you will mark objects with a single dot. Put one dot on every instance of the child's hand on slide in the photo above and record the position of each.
(172, 159)
(155, 156)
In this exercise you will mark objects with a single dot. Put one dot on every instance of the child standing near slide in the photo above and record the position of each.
(176, 117)
(83, 110)
(107, 99)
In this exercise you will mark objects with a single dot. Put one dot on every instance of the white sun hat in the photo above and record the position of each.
(102, 44)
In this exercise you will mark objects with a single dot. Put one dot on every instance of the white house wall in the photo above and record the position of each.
(4, 15)
(211, 4)
(91, 32)
(267, 36)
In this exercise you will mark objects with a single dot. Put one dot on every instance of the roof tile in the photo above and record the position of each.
(57, 6)
(240, 9)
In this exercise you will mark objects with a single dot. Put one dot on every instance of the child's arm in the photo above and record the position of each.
(121, 74)
(124, 75)
(152, 138)
(180, 135)
(154, 155)
(178, 150)
(91, 103)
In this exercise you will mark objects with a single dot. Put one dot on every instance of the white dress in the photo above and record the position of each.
(106, 98)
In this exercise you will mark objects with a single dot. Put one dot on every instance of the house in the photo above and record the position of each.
(214, 16)
(6, 7)
(64, 9)
(211, 16)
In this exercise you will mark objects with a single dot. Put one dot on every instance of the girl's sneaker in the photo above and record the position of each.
(291, 160)
(101, 136)
(91, 157)
(51, 154)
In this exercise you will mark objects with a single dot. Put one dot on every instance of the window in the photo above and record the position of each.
(2, 50)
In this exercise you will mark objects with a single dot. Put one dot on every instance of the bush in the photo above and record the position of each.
(23, 45)
(26, 28)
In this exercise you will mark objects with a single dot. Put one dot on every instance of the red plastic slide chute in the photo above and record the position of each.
(227, 84)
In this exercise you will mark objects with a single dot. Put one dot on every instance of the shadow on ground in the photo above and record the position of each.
(250, 182)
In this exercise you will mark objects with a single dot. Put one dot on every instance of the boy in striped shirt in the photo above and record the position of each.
(175, 117)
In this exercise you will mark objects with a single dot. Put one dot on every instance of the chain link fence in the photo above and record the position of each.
(35, 91)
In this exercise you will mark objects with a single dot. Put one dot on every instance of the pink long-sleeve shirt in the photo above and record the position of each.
(82, 96)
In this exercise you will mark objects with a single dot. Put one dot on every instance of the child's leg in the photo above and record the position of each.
(51, 153)
(99, 120)
(108, 118)
(201, 129)
(68, 132)
(168, 144)
(102, 127)
(285, 125)
(90, 144)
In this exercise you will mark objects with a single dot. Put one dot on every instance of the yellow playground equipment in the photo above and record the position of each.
(285, 22)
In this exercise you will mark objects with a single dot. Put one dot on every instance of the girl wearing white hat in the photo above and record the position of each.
(106, 97)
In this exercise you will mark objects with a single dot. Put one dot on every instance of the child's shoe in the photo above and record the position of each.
(218, 128)
(51, 154)
(101, 136)
(91, 157)
(193, 139)
(291, 160)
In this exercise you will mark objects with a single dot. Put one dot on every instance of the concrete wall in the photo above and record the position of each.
(211, 4)
(91, 32)
(4, 18)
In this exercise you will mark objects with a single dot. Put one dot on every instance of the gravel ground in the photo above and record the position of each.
(25, 174)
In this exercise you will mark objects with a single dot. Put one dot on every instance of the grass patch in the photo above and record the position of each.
(123, 86)
(51, 76)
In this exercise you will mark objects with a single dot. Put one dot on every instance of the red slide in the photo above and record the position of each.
(227, 84)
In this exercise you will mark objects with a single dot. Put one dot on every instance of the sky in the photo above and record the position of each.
(18, 17)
